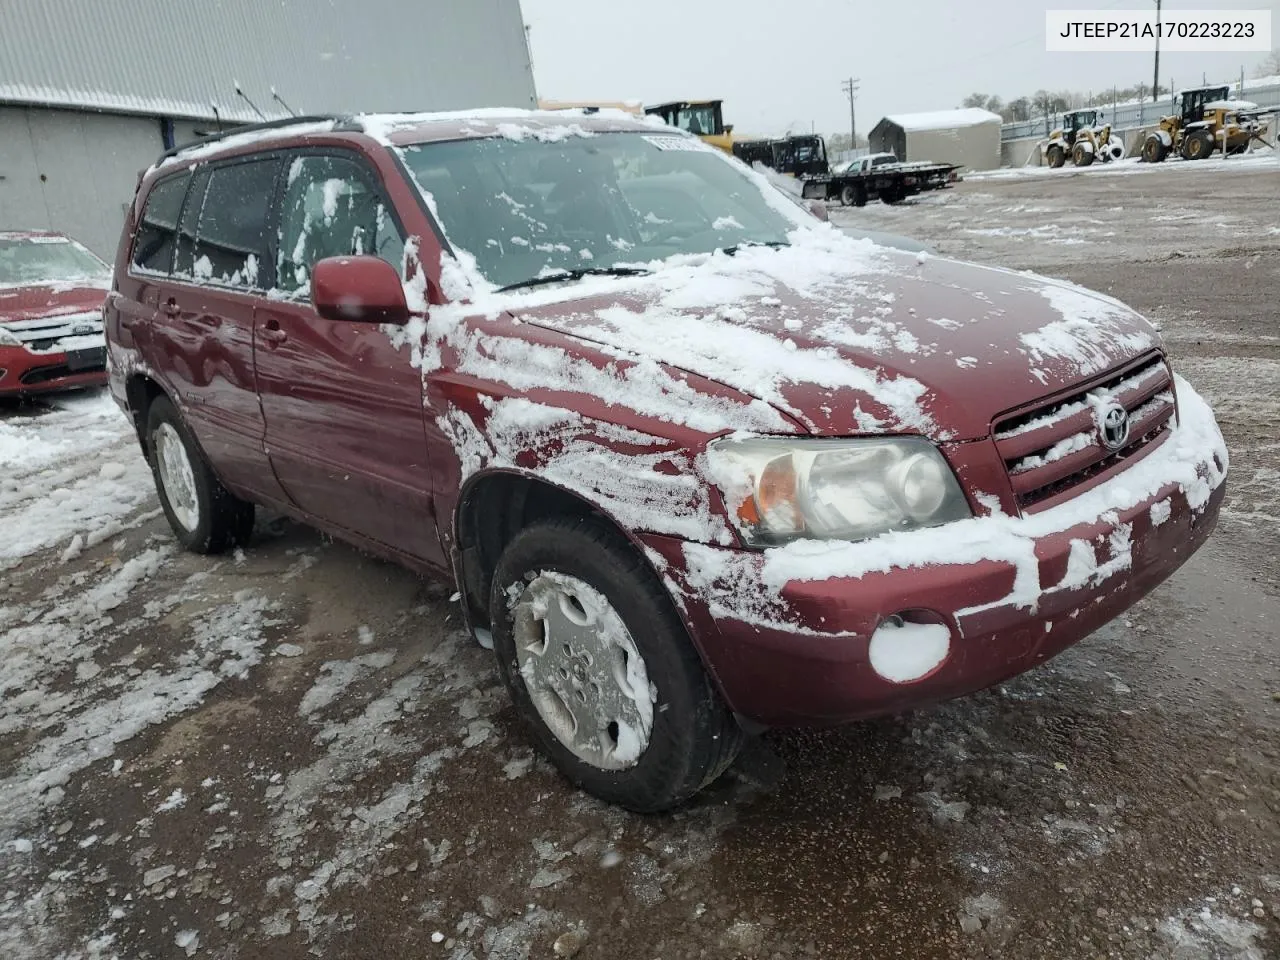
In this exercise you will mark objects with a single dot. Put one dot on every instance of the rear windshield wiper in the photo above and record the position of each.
(560, 276)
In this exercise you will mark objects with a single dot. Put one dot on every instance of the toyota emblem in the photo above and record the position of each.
(1115, 426)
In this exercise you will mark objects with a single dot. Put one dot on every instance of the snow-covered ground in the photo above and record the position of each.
(1260, 160)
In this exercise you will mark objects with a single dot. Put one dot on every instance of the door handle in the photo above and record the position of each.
(171, 308)
(272, 333)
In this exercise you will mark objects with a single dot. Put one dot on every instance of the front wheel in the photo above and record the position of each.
(1056, 156)
(601, 669)
(204, 516)
(1153, 150)
(1198, 145)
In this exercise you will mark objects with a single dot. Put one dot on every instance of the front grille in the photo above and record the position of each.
(1052, 449)
(46, 333)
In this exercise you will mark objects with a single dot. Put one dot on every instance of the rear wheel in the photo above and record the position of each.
(602, 670)
(204, 516)
(895, 194)
(1198, 145)
(1056, 156)
(853, 195)
(1154, 150)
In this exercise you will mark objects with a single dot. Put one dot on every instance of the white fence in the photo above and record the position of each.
(1126, 115)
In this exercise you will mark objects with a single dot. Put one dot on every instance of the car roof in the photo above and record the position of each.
(403, 129)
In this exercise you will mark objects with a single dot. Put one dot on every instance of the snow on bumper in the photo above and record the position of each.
(787, 631)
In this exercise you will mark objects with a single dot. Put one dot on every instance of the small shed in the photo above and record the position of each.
(970, 137)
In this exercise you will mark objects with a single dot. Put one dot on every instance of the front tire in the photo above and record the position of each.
(1082, 156)
(1154, 150)
(1056, 156)
(1199, 145)
(602, 670)
(203, 515)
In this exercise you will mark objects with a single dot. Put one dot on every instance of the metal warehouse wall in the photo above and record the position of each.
(165, 58)
(74, 171)
(977, 147)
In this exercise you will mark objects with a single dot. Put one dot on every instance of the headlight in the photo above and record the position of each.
(781, 489)
(8, 339)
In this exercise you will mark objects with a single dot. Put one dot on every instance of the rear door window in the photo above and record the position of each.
(231, 229)
(331, 208)
(157, 231)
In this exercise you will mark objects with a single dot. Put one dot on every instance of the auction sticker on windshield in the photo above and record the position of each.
(676, 143)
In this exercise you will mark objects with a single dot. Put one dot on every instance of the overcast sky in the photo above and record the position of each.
(779, 63)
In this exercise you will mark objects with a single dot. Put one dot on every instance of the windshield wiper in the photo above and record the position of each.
(774, 244)
(560, 276)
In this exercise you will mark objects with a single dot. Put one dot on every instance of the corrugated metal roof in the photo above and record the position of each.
(176, 59)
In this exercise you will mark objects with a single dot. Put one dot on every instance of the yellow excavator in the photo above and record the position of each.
(703, 118)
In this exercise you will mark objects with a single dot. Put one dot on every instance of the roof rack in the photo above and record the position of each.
(339, 121)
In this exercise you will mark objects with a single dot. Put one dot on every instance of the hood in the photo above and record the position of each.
(848, 337)
(897, 241)
(50, 300)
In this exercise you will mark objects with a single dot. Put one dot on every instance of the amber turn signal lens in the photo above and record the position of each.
(775, 498)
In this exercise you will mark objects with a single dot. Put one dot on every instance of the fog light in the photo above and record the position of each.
(902, 651)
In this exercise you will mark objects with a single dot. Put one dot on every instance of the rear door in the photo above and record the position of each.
(343, 405)
(203, 334)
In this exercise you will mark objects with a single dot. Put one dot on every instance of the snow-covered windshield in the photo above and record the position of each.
(32, 260)
(527, 207)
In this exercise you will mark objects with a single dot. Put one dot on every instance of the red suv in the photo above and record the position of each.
(698, 463)
(51, 294)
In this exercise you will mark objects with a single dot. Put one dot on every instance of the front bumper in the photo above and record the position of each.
(25, 372)
(787, 633)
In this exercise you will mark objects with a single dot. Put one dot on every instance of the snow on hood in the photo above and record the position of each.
(55, 299)
(1232, 105)
(840, 335)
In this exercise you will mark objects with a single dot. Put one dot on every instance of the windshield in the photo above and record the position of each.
(524, 208)
(32, 260)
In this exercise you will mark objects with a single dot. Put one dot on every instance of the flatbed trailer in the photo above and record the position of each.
(891, 183)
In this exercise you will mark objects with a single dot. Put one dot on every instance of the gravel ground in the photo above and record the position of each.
(294, 751)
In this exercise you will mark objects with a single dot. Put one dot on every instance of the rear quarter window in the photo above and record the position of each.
(157, 231)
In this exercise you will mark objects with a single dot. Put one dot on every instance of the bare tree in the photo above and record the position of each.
(976, 100)
(1270, 66)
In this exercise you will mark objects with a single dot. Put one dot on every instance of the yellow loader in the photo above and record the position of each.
(1078, 141)
(1204, 120)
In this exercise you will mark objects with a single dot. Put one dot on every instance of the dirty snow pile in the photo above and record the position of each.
(69, 477)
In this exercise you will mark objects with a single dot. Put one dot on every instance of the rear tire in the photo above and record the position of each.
(204, 516)
(692, 737)
(853, 195)
(893, 195)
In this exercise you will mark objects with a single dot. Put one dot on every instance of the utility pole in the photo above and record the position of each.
(850, 87)
(1155, 83)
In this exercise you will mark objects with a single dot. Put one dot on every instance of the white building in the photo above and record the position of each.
(969, 137)
(92, 91)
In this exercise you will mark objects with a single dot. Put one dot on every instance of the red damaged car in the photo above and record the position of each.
(51, 295)
(697, 463)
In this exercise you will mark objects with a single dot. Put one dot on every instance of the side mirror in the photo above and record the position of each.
(358, 289)
(819, 210)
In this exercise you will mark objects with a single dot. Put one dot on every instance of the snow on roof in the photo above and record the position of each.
(944, 119)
